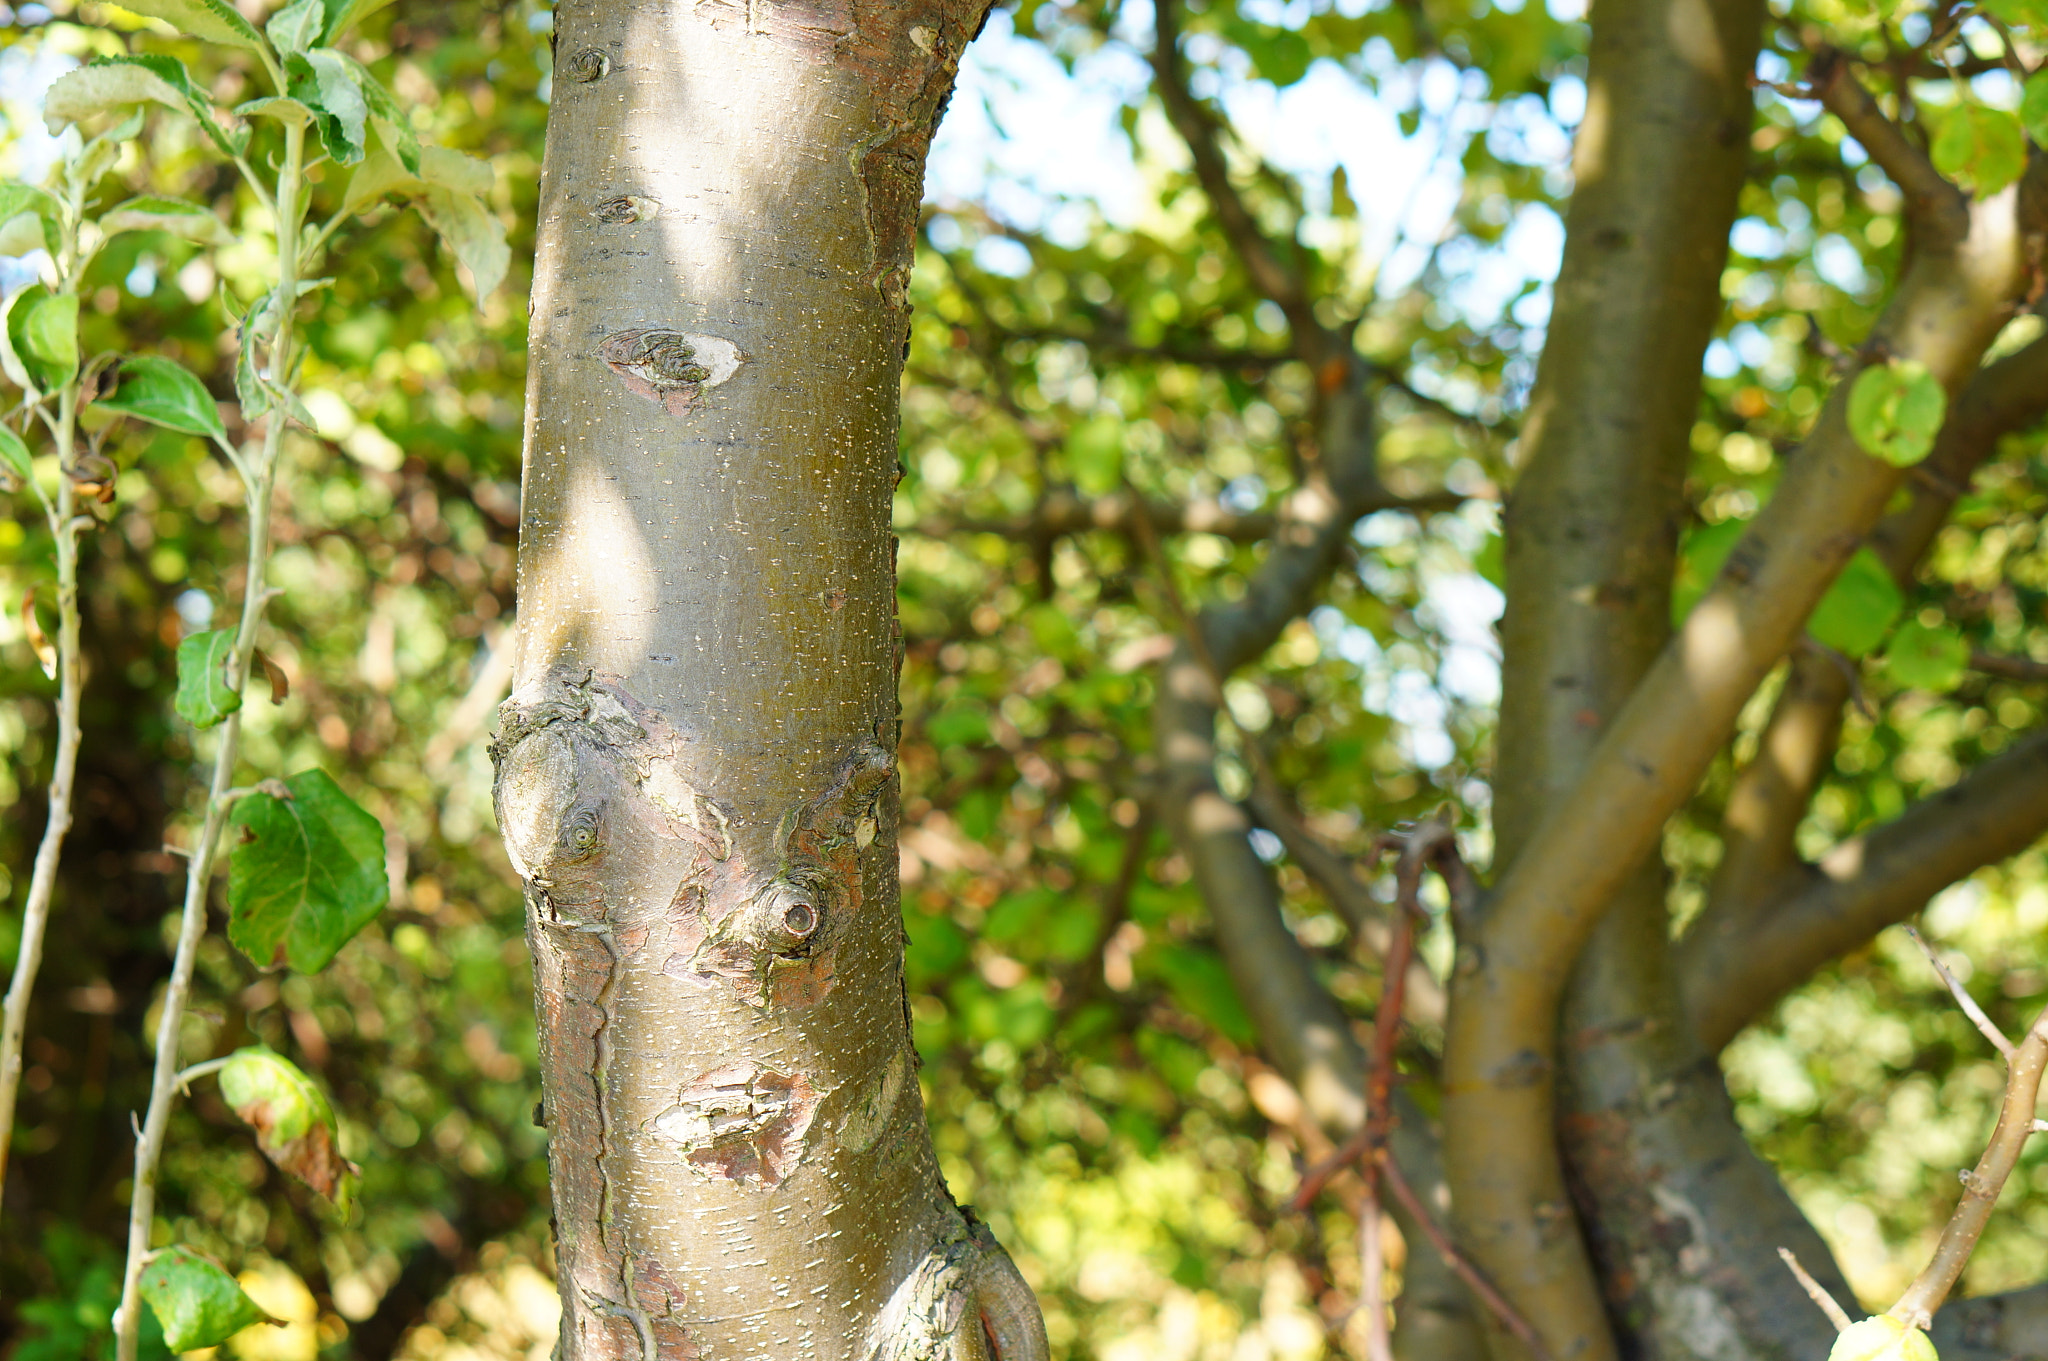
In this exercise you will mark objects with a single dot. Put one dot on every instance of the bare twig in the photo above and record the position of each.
(1981, 1185)
(2008, 667)
(1932, 202)
(1837, 1315)
(1495, 1302)
(1968, 1003)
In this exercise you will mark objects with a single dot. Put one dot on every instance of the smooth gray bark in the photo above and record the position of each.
(696, 767)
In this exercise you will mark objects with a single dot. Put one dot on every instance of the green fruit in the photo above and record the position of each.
(1882, 1339)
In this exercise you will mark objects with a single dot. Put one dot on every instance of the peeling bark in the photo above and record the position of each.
(695, 770)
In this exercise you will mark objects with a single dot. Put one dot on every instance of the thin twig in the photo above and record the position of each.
(1968, 1003)
(1837, 1315)
(1495, 1302)
(1982, 1184)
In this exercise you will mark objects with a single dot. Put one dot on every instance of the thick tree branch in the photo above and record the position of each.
(1933, 204)
(1501, 1045)
(1864, 885)
(1274, 276)
(1759, 862)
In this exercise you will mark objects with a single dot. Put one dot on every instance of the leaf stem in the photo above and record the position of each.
(200, 1070)
(167, 1079)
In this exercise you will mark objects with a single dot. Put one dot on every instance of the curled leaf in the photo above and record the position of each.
(38, 641)
(204, 696)
(294, 1125)
(14, 456)
(280, 684)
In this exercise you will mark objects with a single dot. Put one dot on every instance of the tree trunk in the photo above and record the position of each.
(696, 767)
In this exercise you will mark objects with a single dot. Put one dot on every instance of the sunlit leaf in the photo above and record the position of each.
(472, 231)
(343, 15)
(2034, 106)
(1896, 410)
(1859, 608)
(307, 873)
(195, 1299)
(1983, 149)
(1095, 454)
(152, 213)
(153, 389)
(215, 21)
(113, 83)
(1920, 657)
(297, 26)
(14, 455)
(294, 1124)
(204, 696)
(42, 332)
(321, 80)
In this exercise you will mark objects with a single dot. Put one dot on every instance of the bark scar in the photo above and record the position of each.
(742, 1123)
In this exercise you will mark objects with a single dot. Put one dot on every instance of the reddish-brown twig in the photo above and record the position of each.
(1495, 1302)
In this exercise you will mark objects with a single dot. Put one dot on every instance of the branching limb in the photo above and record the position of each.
(1932, 202)
(1501, 1040)
(1982, 1184)
(1984, 1024)
(1759, 862)
(1864, 885)
(1277, 278)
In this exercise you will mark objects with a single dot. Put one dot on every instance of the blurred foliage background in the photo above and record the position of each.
(1089, 1070)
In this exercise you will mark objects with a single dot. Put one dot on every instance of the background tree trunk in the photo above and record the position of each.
(696, 768)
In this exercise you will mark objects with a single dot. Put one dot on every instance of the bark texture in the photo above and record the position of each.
(696, 766)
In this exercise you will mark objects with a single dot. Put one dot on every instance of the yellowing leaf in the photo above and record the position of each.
(294, 1124)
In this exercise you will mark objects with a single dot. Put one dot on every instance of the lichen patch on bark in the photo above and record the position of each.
(742, 1122)
(670, 368)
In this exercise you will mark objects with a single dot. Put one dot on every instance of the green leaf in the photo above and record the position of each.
(307, 874)
(195, 1299)
(297, 26)
(1896, 410)
(321, 80)
(343, 15)
(213, 21)
(1200, 982)
(284, 110)
(2021, 12)
(14, 455)
(1859, 608)
(114, 83)
(42, 330)
(392, 126)
(28, 220)
(1981, 148)
(1923, 658)
(294, 1125)
(2034, 106)
(472, 231)
(1852, 617)
(1095, 455)
(25, 232)
(161, 392)
(250, 392)
(152, 213)
(204, 696)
